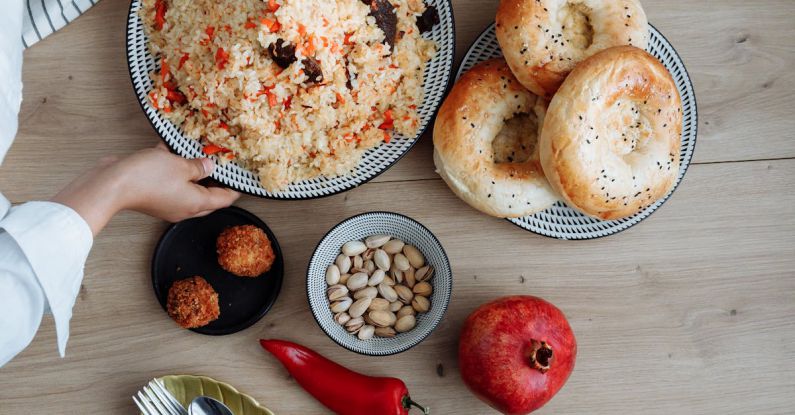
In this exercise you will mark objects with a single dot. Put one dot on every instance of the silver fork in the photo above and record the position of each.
(155, 399)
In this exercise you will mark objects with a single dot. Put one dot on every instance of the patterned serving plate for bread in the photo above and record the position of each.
(357, 228)
(563, 222)
(438, 74)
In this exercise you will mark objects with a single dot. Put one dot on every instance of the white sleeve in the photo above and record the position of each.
(10, 71)
(43, 248)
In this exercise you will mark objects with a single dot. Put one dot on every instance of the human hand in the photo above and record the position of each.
(152, 181)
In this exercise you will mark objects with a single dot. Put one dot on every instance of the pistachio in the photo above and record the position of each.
(357, 281)
(366, 332)
(401, 262)
(404, 293)
(369, 266)
(379, 304)
(332, 274)
(376, 241)
(354, 324)
(370, 292)
(423, 288)
(377, 278)
(387, 292)
(341, 318)
(341, 305)
(421, 304)
(388, 282)
(353, 248)
(405, 323)
(344, 278)
(358, 308)
(358, 262)
(394, 246)
(385, 332)
(336, 292)
(344, 263)
(424, 273)
(381, 259)
(410, 278)
(406, 310)
(415, 257)
(398, 275)
(382, 318)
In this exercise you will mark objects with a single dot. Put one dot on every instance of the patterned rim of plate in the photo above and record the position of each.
(437, 80)
(563, 222)
(359, 227)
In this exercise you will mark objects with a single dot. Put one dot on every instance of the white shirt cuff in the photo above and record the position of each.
(56, 241)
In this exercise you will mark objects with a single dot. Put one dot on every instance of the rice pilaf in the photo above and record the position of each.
(292, 89)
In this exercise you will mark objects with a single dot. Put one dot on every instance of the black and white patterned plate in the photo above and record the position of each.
(357, 228)
(563, 222)
(374, 162)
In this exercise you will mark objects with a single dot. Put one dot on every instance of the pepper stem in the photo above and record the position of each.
(541, 355)
(408, 403)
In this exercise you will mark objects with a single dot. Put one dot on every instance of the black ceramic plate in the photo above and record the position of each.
(187, 249)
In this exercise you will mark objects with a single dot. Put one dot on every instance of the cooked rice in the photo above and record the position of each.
(276, 122)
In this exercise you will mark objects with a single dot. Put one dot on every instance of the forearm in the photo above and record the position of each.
(95, 197)
(152, 181)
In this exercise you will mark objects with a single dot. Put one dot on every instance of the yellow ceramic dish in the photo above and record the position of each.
(187, 387)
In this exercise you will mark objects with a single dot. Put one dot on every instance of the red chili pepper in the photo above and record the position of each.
(160, 14)
(340, 389)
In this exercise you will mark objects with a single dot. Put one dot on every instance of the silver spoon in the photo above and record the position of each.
(204, 405)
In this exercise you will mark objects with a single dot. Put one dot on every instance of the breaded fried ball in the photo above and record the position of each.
(192, 302)
(245, 251)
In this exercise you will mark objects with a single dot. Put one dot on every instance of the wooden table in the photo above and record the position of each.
(692, 311)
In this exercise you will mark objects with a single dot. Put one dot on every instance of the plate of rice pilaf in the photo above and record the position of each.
(295, 99)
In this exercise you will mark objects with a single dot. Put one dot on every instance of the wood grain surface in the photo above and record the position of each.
(692, 311)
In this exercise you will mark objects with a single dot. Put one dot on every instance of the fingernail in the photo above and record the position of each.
(208, 165)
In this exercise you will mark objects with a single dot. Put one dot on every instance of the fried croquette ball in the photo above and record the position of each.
(245, 251)
(193, 302)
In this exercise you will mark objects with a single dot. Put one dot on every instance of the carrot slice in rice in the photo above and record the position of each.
(165, 70)
(221, 58)
(211, 149)
(160, 14)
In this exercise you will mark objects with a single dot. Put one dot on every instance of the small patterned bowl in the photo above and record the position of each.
(357, 228)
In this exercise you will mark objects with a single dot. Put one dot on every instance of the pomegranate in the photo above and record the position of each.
(515, 353)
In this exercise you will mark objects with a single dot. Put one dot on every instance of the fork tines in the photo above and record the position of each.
(155, 399)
